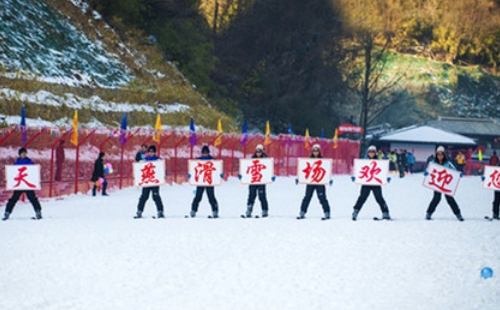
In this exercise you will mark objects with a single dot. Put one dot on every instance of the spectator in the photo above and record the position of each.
(494, 159)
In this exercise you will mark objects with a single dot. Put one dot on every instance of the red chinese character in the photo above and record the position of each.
(370, 173)
(205, 170)
(255, 170)
(495, 179)
(148, 175)
(21, 178)
(318, 173)
(440, 179)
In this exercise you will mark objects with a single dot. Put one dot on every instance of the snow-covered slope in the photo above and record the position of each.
(89, 253)
(37, 42)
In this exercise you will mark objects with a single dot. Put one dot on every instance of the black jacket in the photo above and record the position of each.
(98, 170)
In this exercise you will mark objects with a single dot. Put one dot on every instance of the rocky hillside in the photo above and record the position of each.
(59, 56)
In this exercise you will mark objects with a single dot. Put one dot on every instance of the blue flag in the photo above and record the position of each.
(192, 135)
(123, 129)
(290, 131)
(24, 138)
(244, 134)
(322, 133)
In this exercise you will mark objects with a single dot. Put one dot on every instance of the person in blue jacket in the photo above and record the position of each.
(23, 160)
(153, 189)
(441, 159)
(367, 189)
(205, 155)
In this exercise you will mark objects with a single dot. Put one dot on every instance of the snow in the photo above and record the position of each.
(426, 134)
(88, 252)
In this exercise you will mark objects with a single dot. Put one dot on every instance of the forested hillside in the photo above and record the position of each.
(316, 64)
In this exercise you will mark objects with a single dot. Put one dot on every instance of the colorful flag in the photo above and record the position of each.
(192, 135)
(24, 137)
(306, 139)
(244, 134)
(268, 134)
(123, 129)
(335, 138)
(290, 131)
(218, 141)
(158, 129)
(74, 126)
(480, 155)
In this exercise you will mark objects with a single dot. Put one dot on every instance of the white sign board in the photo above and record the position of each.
(256, 171)
(314, 171)
(491, 178)
(442, 179)
(22, 177)
(205, 172)
(149, 173)
(371, 172)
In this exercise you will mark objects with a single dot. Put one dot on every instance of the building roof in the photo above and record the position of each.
(426, 134)
(467, 126)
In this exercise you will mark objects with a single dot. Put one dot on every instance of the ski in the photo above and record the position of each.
(325, 218)
(489, 218)
(381, 219)
(300, 218)
(213, 217)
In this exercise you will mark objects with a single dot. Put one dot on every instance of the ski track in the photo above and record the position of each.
(89, 253)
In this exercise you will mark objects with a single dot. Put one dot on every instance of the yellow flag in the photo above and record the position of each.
(157, 135)
(74, 134)
(480, 155)
(306, 139)
(218, 141)
(268, 134)
(335, 138)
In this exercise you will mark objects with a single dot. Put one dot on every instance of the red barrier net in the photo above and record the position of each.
(72, 174)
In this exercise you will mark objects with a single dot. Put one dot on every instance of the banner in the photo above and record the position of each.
(205, 172)
(256, 171)
(314, 171)
(22, 177)
(149, 173)
(491, 177)
(442, 179)
(371, 172)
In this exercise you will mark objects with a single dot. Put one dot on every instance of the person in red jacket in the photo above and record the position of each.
(494, 159)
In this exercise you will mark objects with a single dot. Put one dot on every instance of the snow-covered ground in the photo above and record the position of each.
(89, 253)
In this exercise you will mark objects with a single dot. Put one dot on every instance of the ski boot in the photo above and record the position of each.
(192, 213)
(6, 216)
(38, 215)
(428, 216)
(355, 215)
(160, 215)
(459, 217)
(265, 214)
(138, 215)
(327, 216)
(385, 216)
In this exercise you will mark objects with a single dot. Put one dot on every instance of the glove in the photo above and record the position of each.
(353, 178)
(388, 180)
(461, 174)
(239, 176)
(222, 175)
(483, 178)
(296, 181)
(426, 173)
(273, 178)
(189, 176)
(331, 182)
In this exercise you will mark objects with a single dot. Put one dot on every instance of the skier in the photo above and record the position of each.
(259, 189)
(98, 174)
(142, 154)
(310, 189)
(205, 151)
(23, 160)
(366, 189)
(146, 190)
(496, 201)
(442, 160)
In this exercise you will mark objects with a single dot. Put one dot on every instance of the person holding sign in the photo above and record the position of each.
(259, 189)
(205, 155)
(366, 189)
(492, 174)
(442, 160)
(311, 188)
(23, 160)
(98, 175)
(147, 190)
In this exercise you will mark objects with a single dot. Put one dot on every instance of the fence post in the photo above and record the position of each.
(175, 156)
(51, 181)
